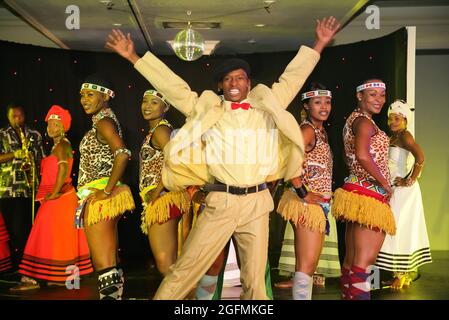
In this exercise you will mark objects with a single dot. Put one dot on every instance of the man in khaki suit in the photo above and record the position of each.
(232, 144)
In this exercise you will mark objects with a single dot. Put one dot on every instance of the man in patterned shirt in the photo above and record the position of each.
(15, 192)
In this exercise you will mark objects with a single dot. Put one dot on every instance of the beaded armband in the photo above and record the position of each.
(122, 150)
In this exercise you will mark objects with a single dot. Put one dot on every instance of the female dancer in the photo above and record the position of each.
(162, 209)
(104, 198)
(307, 206)
(409, 248)
(54, 243)
(363, 200)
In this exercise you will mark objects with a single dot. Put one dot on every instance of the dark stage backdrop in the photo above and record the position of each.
(37, 77)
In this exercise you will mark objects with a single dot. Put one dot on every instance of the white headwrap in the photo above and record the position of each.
(400, 107)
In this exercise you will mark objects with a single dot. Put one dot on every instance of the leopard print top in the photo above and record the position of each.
(379, 144)
(96, 158)
(317, 174)
(151, 160)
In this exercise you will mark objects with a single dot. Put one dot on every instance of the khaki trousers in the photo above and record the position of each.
(243, 216)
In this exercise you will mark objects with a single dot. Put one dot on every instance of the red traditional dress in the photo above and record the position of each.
(54, 243)
(5, 255)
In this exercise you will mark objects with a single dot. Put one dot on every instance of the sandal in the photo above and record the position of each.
(408, 280)
(319, 280)
(401, 280)
(25, 284)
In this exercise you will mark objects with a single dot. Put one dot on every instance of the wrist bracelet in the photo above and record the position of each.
(107, 193)
(301, 191)
(122, 150)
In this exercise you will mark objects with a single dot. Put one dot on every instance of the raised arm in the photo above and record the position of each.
(164, 80)
(325, 31)
(302, 65)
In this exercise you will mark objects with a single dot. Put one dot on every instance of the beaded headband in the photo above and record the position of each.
(54, 116)
(98, 88)
(371, 85)
(316, 93)
(156, 94)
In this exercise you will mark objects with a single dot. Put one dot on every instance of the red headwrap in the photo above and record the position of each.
(59, 113)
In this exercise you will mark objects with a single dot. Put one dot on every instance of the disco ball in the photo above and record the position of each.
(188, 45)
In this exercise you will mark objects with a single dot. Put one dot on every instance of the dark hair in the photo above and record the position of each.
(371, 79)
(100, 80)
(314, 86)
(13, 105)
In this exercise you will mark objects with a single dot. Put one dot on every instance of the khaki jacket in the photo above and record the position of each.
(184, 162)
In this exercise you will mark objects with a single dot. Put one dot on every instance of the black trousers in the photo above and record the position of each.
(17, 215)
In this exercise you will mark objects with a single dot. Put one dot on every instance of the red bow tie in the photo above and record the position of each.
(236, 105)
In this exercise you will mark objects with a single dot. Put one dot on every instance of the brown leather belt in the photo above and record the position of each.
(221, 187)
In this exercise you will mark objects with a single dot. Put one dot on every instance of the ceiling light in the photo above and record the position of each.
(260, 25)
(209, 46)
(194, 24)
(117, 24)
(188, 44)
(268, 2)
(252, 41)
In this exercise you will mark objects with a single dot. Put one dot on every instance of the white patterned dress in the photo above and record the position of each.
(409, 248)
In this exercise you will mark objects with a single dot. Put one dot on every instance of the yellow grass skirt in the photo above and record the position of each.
(159, 210)
(367, 211)
(292, 208)
(120, 201)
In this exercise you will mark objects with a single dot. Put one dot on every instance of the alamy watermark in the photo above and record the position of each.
(72, 22)
(374, 277)
(227, 146)
(373, 19)
(73, 280)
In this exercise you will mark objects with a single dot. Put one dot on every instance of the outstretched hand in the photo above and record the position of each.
(123, 45)
(325, 31)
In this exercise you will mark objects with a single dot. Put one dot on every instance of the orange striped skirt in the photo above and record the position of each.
(55, 248)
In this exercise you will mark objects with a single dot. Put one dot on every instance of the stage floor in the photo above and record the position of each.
(142, 280)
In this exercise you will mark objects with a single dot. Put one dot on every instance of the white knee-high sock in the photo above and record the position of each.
(302, 286)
